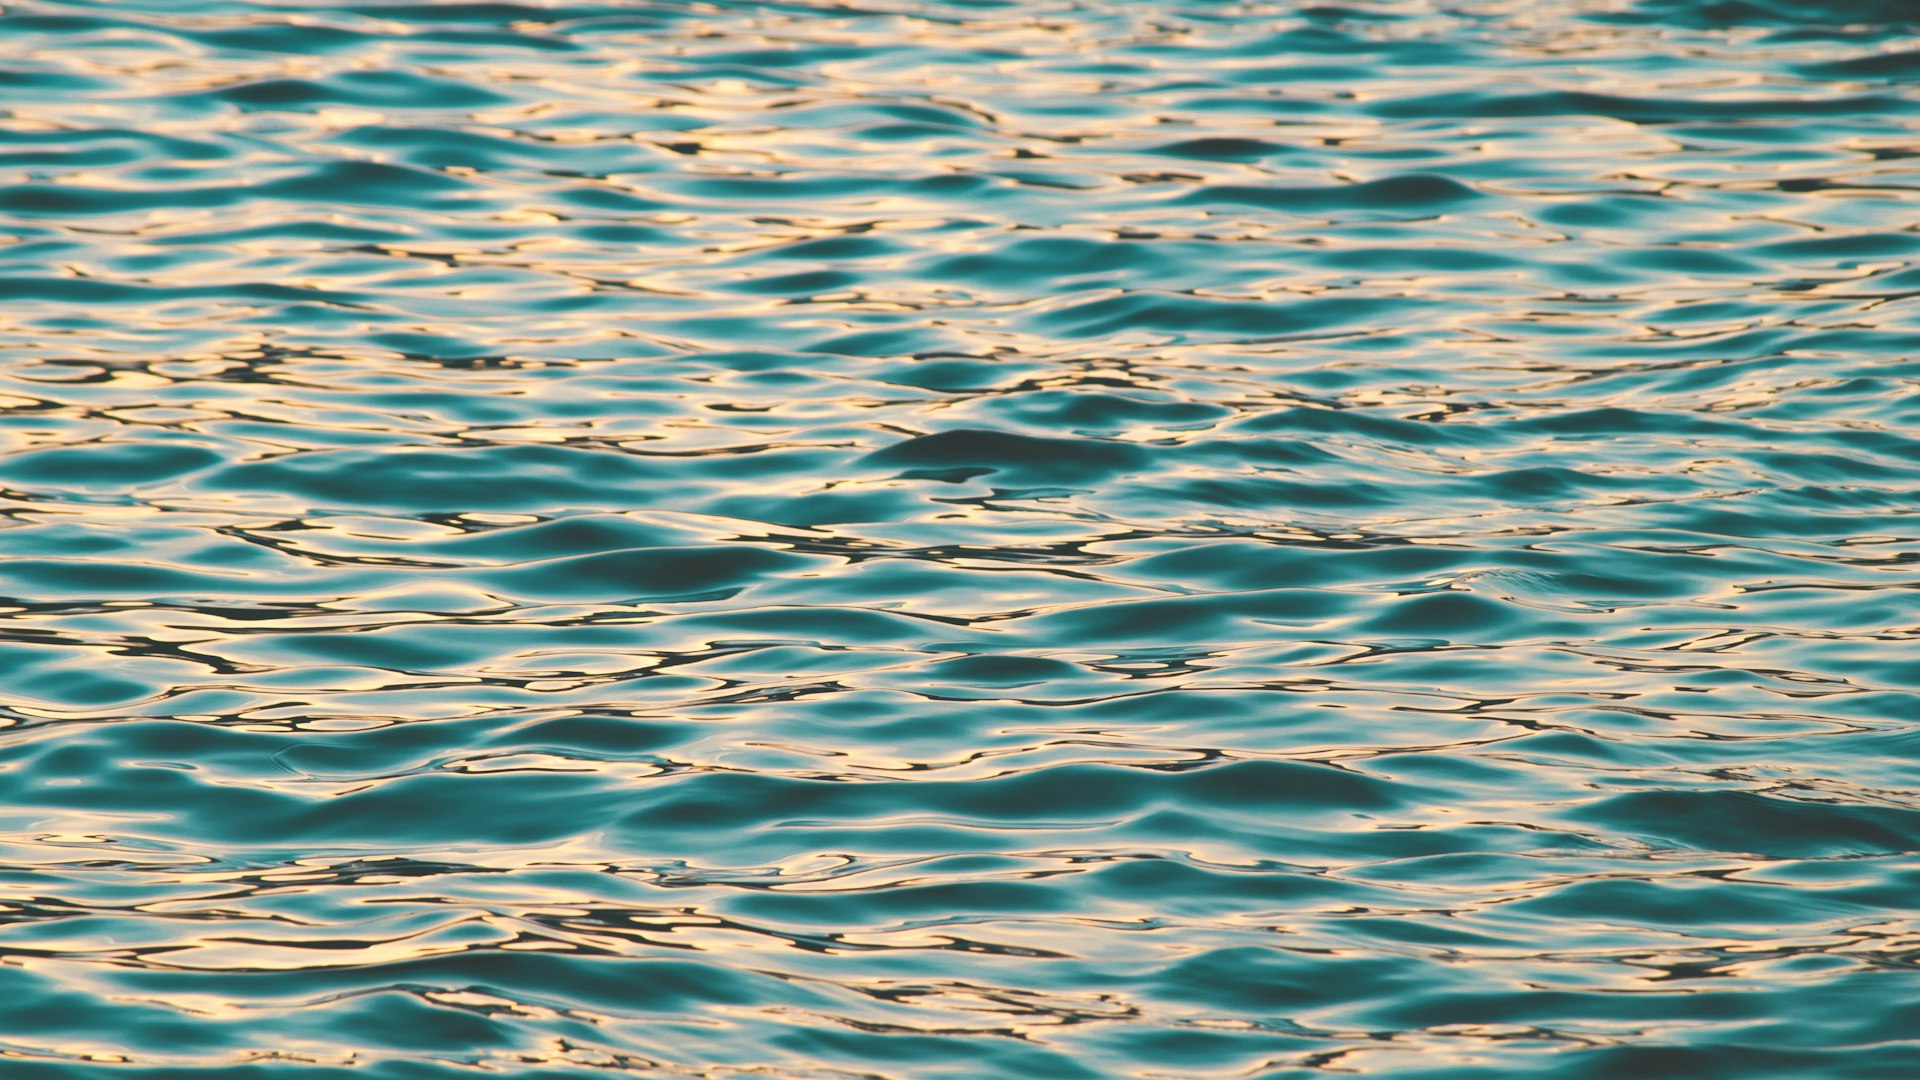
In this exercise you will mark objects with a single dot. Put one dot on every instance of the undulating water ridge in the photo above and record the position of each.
(987, 538)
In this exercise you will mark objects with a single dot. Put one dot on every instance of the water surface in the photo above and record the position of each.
(988, 538)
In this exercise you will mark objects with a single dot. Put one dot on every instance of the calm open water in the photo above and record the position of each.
(960, 539)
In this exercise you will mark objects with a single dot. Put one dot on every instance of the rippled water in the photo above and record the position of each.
(986, 538)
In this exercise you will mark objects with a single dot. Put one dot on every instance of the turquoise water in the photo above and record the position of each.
(988, 538)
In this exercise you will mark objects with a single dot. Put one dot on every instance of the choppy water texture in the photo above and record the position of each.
(995, 538)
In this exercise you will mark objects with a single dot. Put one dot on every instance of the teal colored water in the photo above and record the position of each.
(959, 539)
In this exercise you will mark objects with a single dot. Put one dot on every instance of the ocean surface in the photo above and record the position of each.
(960, 539)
